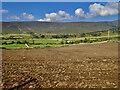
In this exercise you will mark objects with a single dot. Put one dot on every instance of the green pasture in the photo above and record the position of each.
(13, 43)
(42, 41)
(14, 46)
(24, 46)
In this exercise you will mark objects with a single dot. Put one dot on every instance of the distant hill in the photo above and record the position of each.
(55, 27)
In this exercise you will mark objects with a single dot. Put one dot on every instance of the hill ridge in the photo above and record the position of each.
(56, 27)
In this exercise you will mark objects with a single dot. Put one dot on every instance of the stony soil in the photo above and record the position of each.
(80, 66)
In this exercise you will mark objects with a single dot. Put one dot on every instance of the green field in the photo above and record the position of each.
(14, 46)
(38, 43)
(31, 46)
(58, 40)
(42, 41)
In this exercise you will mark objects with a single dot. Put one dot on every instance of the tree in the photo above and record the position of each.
(35, 36)
(77, 41)
(11, 37)
(12, 42)
(18, 42)
(71, 42)
(99, 34)
(85, 41)
(42, 36)
(66, 41)
(25, 42)
(91, 41)
(32, 33)
(82, 34)
(33, 41)
(62, 42)
(5, 43)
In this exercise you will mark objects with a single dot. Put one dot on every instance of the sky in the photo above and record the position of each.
(60, 0)
(59, 11)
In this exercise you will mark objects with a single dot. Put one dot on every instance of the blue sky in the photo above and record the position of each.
(59, 11)
(60, 0)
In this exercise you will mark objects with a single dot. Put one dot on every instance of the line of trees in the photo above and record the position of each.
(17, 42)
(64, 41)
(83, 41)
(57, 36)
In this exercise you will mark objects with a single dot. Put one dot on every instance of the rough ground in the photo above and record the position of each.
(81, 66)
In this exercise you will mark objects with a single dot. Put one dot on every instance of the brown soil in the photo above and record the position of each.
(80, 66)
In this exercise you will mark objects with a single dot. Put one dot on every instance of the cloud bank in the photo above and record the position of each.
(27, 16)
(95, 10)
(54, 17)
(13, 17)
(98, 10)
(24, 16)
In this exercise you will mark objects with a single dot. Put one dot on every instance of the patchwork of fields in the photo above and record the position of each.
(79, 66)
(35, 40)
(62, 42)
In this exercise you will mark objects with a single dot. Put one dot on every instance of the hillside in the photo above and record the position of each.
(55, 27)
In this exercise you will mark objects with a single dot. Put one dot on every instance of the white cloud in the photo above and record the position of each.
(80, 13)
(3, 11)
(98, 10)
(111, 8)
(27, 16)
(13, 18)
(112, 4)
(54, 17)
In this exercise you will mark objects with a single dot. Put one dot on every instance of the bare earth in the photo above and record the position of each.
(80, 66)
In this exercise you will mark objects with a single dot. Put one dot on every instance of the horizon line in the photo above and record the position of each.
(60, 22)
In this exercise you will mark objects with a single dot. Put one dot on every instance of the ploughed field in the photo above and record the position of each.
(79, 66)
